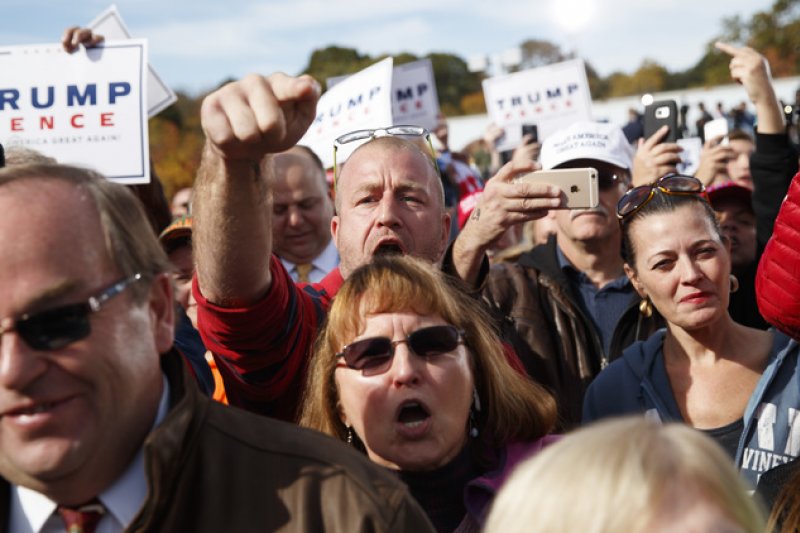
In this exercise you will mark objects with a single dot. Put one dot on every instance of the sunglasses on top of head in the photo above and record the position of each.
(672, 184)
(374, 355)
(58, 327)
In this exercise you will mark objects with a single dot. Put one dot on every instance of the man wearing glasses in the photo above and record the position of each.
(569, 306)
(389, 199)
(102, 425)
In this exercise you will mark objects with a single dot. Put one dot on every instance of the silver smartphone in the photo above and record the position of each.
(578, 185)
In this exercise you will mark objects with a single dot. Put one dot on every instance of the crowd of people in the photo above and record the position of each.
(410, 347)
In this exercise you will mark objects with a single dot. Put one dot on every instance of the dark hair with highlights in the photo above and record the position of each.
(662, 203)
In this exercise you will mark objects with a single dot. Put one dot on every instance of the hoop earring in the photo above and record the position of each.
(734, 284)
(474, 408)
(646, 307)
(349, 438)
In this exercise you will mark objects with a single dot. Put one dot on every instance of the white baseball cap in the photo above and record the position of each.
(587, 140)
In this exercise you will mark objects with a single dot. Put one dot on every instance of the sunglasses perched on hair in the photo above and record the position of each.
(56, 328)
(672, 184)
(408, 132)
(374, 355)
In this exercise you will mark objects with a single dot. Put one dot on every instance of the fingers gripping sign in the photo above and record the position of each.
(74, 36)
(257, 115)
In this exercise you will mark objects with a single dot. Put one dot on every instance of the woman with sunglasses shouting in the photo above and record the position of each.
(409, 371)
(735, 383)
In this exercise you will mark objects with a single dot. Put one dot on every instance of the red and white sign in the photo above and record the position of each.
(362, 101)
(110, 25)
(414, 98)
(87, 108)
(552, 97)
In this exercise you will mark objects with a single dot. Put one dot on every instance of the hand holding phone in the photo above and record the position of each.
(578, 186)
(661, 113)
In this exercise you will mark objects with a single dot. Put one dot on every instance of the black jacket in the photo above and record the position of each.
(542, 318)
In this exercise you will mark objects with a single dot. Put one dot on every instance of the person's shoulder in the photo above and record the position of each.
(616, 389)
(296, 452)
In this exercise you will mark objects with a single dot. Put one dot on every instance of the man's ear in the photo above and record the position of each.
(634, 277)
(162, 312)
(335, 228)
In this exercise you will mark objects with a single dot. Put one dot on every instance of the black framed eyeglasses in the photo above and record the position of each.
(410, 132)
(374, 355)
(673, 184)
(56, 328)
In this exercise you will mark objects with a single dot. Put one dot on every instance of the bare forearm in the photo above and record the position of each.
(467, 258)
(232, 233)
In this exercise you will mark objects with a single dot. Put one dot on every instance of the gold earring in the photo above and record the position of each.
(646, 307)
(734, 284)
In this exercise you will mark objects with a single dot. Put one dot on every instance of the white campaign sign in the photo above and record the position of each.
(87, 108)
(414, 98)
(362, 101)
(110, 25)
(552, 97)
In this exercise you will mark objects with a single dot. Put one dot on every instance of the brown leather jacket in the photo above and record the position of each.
(558, 344)
(214, 468)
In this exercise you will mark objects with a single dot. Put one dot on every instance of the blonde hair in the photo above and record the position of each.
(621, 475)
(129, 238)
(514, 407)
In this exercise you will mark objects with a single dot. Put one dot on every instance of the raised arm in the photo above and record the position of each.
(751, 69)
(244, 121)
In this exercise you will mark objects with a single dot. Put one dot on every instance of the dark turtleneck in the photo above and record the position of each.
(440, 492)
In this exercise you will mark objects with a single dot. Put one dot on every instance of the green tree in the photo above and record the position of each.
(335, 61)
(453, 81)
(538, 53)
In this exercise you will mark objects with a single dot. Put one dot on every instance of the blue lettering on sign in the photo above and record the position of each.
(355, 102)
(10, 97)
(118, 89)
(422, 88)
(533, 98)
(352, 102)
(407, 94)
(74, 94)
(556, 93)
(51, 94)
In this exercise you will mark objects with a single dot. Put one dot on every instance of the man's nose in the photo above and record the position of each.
(19, 363)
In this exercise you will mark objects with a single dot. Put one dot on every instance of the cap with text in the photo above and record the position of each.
(587, 140)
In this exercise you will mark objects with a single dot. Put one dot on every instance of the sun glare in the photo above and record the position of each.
(572, 16)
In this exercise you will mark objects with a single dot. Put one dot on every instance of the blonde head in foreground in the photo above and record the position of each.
(627, 475)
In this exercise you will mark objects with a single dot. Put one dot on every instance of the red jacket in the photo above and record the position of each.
(778, 278)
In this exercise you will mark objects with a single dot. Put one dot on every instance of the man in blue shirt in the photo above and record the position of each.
(568, 301)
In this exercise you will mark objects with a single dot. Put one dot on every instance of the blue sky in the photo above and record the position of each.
(196, 44)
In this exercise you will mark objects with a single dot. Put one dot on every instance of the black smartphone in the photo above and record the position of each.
(657, 114)
(532, 130)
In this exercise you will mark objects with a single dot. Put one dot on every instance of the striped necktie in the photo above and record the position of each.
(303, 270)
(82, 519)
